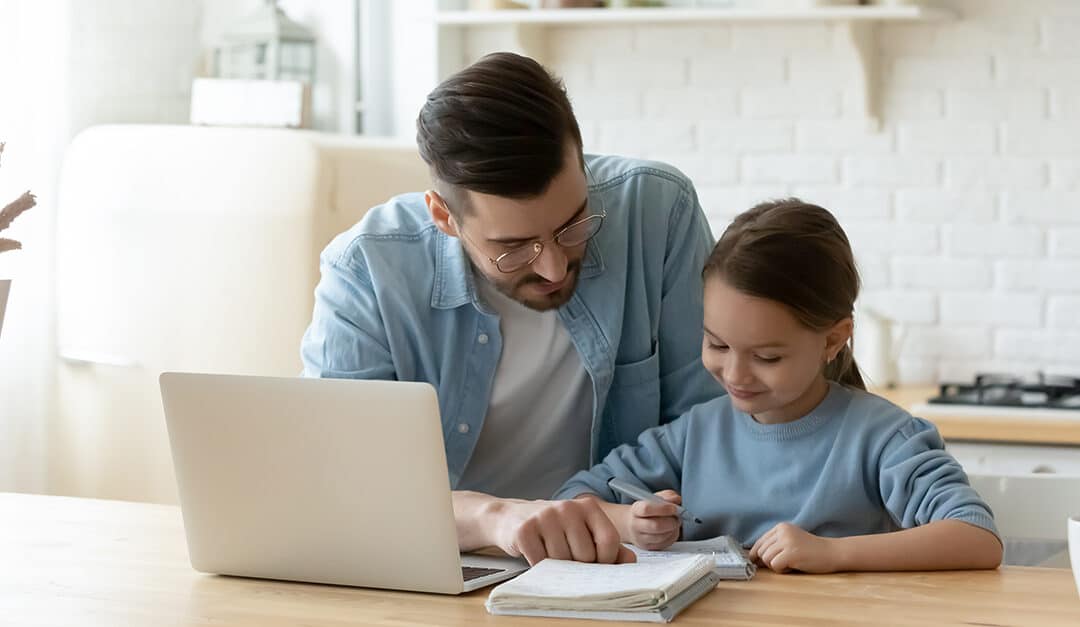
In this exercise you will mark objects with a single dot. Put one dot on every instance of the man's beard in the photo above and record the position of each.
(540, 302)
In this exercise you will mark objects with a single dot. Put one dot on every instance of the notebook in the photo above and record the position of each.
(653, 591)
(730, 558)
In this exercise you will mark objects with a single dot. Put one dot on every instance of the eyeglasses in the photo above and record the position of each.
(570, 236)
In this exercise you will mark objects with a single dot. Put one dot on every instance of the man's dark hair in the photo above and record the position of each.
(497, 127)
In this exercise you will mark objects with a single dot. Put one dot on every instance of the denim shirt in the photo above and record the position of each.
(397, 301)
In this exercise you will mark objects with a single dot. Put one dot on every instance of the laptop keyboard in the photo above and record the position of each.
(472, 572)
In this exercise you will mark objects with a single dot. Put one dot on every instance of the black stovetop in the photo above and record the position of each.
(1045, 391)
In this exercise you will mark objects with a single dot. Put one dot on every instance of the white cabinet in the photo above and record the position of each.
(1016, 459)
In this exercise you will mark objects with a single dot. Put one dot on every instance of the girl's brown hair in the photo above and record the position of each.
(796, 254)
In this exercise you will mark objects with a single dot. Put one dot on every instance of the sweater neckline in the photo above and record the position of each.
(829, 407)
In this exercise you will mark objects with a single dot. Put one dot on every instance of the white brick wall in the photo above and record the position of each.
(1062, 35)
(788, 103)
(974, 206)
(1042, 207)
(950, 137)
(1042, 139)
(943, 275)
(790, 169)
(929, 71)
(892, 171)
(1065, 103)
(975, 173)
(1065, 243)
(995, 104)
(993, 241)
(1065, 175)
(1063, 312)
(964, 210)
(992, 309)
(847, 136)
(740, 137)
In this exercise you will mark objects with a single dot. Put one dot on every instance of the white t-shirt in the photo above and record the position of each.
(536, 432)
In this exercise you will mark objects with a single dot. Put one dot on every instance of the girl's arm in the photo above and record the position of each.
(939, 545)
(946, 525)
(654, 463)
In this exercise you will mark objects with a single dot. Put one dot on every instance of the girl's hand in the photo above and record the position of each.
(786, 547)
(654, 526)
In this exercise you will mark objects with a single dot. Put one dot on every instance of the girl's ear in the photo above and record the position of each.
(837, 337)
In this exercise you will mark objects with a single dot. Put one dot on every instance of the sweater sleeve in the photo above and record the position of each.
(653, 463)
(920, 482)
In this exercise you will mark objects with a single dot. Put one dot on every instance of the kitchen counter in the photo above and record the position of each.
(1033, 429)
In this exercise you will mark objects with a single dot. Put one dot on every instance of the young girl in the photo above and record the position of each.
(797, 461)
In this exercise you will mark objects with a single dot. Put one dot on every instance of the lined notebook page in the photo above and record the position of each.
(722, 548)
(730, 559)
(559, 584)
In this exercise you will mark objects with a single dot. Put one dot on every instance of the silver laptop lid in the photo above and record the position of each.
(320, 480)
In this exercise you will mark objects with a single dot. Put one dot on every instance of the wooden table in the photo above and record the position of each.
(79, 562)
(1033, 429)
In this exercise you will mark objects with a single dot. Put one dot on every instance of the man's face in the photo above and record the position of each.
(493, 226)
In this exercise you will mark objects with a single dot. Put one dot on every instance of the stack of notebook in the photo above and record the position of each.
(652, 590)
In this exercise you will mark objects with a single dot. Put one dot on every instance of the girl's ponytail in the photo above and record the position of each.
(844, 370)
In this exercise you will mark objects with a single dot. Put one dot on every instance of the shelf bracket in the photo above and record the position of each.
(860, 38)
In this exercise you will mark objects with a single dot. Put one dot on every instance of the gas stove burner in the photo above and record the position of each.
(1046, 391)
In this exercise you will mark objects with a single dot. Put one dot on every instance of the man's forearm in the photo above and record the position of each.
(940, 545)
(476, 515)
(473, 514)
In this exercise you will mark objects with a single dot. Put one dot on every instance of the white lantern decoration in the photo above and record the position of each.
(267, 46)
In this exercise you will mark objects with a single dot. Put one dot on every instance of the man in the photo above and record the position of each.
(552, 299)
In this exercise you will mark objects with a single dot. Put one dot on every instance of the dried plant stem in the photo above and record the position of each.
(13, 209)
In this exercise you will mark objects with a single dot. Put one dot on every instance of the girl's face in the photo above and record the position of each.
(770, 364)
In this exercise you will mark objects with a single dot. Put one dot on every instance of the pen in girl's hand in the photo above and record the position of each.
(635, 492)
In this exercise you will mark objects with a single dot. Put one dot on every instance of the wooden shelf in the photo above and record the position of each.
(665, 15)
(522, 31)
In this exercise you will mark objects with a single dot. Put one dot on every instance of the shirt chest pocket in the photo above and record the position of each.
(633, 403)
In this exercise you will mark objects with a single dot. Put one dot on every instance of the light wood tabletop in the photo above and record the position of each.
(81, 562)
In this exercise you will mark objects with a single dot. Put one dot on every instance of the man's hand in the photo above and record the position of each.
(568, 530)
(654, 526)
(786, 547)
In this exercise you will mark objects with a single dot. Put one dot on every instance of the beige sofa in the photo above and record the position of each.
(189, 248)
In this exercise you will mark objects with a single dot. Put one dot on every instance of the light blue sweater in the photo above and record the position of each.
(856, 464)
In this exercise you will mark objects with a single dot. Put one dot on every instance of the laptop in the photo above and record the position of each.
(320, 480)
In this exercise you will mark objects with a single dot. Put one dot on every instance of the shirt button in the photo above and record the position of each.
(463, 428)
(482, 338)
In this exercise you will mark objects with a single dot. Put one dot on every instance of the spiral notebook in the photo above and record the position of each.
(653, 590)
(730, 558)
